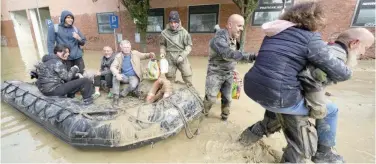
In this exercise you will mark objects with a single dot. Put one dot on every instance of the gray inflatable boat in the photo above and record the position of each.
(99, 125)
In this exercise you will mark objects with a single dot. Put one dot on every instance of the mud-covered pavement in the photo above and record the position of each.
(22, 140)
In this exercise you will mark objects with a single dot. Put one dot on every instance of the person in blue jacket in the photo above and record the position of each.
(66, 33)
(290, 44)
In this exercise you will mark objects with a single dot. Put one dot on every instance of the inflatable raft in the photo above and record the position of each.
(134, 124)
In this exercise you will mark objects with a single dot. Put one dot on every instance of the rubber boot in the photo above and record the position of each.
(115, 101)
(88, 101)
(124, 92)
(252, 134)
(327, 155)
(207, 107)
(225, 113)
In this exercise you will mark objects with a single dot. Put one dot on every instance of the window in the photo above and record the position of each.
(155, 20)
(202, 19)
(103, 21)
(364, 15)
(269, 10)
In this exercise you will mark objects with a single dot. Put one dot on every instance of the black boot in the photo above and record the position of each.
(88, 101)
(207, 106)
(115, 101)
(225, 112)
(326, 154)
(124, 93)
(251, 135)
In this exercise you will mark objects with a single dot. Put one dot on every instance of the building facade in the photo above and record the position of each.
(22, 24)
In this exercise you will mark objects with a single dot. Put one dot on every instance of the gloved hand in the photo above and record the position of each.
(75, 68)
(33, 74)
(252, 57)
(163, 55)
(79, 75)
(320, 75)
(180, 60)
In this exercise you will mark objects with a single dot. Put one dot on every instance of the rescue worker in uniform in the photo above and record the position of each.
(175, 45)
(223, 55)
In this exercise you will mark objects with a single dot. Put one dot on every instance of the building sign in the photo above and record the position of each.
(269, 10)
(364, 15)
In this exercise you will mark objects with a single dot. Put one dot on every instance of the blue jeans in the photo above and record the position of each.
(326, 128)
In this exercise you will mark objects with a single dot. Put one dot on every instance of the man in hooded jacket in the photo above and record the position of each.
(176, 44)
(67, 34)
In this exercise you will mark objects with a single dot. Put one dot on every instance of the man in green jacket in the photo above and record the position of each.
(176, 44)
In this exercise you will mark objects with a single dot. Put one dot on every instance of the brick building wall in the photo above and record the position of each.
(339, 15)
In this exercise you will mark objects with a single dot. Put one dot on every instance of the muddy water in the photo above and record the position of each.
(24, 141)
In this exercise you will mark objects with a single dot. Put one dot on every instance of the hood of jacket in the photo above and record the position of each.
(173, 32)
(274, 27)
(49, 57)
(63, 15)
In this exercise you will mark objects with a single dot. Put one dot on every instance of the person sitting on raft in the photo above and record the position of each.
(162, 86)
(53, 78)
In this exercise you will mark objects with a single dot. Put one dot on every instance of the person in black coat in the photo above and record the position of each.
(55, 80)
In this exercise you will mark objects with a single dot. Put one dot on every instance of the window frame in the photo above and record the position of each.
(163, 24)
(112, 13)
(190, 8)
(356, 15)
(262, 7)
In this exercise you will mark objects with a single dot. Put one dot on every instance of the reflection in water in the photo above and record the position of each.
(29, 56)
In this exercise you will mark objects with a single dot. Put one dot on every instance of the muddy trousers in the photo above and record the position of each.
(103, 81)
(84, 85)
(214, 84)
(299, 130)
(78, 62)
(184, 67)
(133, 82)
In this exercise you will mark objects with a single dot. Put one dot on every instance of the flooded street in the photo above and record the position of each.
(22, 140)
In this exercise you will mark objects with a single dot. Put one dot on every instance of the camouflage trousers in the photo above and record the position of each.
(184, 67)
(216, 83)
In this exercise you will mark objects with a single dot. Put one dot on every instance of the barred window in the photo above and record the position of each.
(202, 19)
(103, 21)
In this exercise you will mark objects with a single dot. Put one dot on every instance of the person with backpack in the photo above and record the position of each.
(66, 33)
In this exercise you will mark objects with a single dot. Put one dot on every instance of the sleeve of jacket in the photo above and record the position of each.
(188, 45)
(83, 38)
(61, 70)
(319, 56)
(51, 38)
(115, 65)
(142, 56)
(107, 71)
(221, 47)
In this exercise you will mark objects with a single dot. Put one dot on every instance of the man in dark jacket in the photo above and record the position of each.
(223, 55)
(291, 43)
(55, 80)
(103, 78)
(67, 34)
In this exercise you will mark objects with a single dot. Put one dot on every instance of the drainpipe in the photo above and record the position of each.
(40, 27)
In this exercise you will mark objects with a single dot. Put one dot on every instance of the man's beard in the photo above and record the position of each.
(352, 58)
